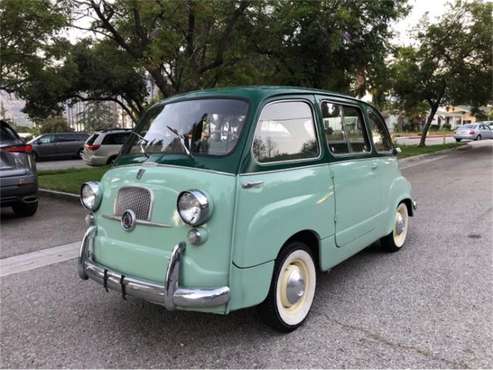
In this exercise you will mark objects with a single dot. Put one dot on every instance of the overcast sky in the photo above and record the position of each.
(434, 8)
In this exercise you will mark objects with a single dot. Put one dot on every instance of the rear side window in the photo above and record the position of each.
(380, 137)
(344, 129)
(115, 139)
(92, 139)
(285, 131)
(7, 134)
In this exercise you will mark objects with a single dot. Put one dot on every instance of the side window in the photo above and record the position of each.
(115, 139)
(344, 129)
(334, 131)
(109, 139)
(285, 131)
(48, 139)
(381, 138)
(355, 130)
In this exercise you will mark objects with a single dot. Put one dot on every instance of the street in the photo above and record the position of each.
(429, 305)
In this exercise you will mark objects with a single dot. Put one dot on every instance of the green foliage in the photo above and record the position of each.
(98, 116)
(451, 64)
(335, 45)
(28, 39)
(54, 124)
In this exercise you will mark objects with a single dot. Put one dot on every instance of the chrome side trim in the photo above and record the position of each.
(169, 295)
(139, 222)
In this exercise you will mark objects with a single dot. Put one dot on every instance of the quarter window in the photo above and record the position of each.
(285, 131)
(344, 129)
(379, 134)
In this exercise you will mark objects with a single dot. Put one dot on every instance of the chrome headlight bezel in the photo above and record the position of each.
(91, 195)
(201, 203)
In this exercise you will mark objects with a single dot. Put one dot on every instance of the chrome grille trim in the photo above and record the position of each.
(136, 198)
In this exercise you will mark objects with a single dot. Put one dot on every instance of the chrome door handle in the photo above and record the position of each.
(251, 184)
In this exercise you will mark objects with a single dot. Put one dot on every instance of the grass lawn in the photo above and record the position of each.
(412, 150)
(70, 180)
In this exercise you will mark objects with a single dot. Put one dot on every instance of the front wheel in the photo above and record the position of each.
(292, 289)
(458, 140)
(478, 137)
(396, 239)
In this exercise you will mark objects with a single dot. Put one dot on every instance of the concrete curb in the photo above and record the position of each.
(428, 155)
(75, 198)
(59, 195)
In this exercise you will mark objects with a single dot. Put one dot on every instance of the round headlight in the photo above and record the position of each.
(90, 195)
(194, 207)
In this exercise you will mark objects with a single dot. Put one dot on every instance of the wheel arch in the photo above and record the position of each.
(309, 237)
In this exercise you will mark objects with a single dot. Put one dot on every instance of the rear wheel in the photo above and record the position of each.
(25, 209)
(458, 140)
(292, 289)
(396, 239)
(79, 153)
(478, 137)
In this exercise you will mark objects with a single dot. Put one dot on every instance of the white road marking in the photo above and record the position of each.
(37, 259)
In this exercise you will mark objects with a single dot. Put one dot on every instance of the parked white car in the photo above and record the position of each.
(103, 147)
(474, 131)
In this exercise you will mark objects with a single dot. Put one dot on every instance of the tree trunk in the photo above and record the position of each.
(434, 109)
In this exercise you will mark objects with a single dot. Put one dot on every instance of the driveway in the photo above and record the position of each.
(427, 306)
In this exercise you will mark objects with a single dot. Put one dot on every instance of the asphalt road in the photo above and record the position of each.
(429, 305)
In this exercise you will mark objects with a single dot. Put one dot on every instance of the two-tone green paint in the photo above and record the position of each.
(344, 202)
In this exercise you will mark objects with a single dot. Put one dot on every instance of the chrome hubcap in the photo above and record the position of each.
(399, 224)
(295, 285)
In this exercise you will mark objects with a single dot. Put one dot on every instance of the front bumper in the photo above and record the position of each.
(169, 295)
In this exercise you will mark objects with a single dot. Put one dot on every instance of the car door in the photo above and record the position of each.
(485, 131)
(66, 145)
(287, 188)
(353, 171)
(387, 168)
(45, 146)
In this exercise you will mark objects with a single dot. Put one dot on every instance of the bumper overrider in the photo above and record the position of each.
(169, 295)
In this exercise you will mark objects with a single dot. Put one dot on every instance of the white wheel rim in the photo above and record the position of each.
(400, 225)
(294, 310)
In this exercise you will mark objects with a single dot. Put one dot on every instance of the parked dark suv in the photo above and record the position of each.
(18, 178)
(58, 145)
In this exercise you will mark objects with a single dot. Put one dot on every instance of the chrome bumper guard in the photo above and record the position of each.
(168, 295)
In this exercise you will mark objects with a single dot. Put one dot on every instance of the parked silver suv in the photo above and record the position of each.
(103, 147)
(18, 178)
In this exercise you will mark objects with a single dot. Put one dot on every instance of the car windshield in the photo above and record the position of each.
(203, 126)
(467, 126)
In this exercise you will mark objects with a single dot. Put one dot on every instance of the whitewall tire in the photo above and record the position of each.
(292, 288)
(397, 238)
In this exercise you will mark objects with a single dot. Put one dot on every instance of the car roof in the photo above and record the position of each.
(257, 92)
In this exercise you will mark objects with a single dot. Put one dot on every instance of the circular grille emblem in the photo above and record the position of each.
(128, 220)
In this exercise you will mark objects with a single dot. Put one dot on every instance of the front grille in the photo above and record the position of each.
(135, 198)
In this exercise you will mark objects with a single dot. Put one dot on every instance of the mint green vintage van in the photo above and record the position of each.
(229, 198)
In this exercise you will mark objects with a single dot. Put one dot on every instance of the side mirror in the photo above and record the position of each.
(396, 150)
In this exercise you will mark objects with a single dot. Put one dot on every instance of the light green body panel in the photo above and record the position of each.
(144, 252)
(285, 203)
(249, 286)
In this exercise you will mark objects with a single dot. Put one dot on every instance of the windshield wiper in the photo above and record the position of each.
(182, 140)
(141, 144)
